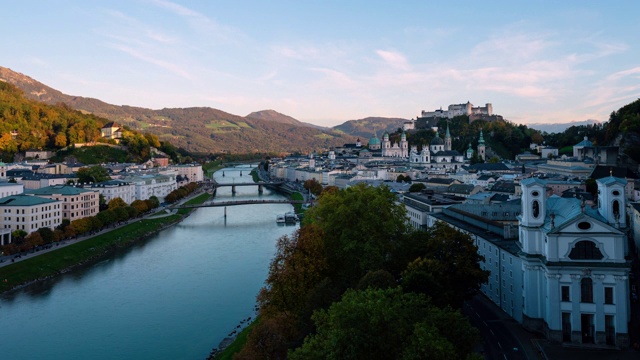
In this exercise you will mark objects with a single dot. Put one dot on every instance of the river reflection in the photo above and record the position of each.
(174, 296)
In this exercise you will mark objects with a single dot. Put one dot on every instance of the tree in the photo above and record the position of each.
(417, 187)
(153, 202)
(92, 174)
(449, 270)
(47, 235)
(314, 186)
(140, 205)
(376, 324)
(360, 225)
(298, 266)
(116, 203)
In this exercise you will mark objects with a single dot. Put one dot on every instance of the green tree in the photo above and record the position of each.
(47, 235)
(382, 324)
(417, 187)
(92, 174)
(360, 225)
(449, 270)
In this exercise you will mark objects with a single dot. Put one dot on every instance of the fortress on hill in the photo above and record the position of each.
(429, 119)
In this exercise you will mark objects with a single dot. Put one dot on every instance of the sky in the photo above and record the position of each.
(326, 62)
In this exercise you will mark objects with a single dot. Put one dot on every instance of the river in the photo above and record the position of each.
(173, 296)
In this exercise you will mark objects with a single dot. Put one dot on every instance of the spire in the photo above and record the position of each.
(481, 140)
(447, 134)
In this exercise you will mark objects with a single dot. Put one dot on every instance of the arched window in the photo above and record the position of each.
(535, 207)
(586, 290)
(616, 208)
(585, 250)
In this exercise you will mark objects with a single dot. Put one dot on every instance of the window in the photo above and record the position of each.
(608, 295)
(585, 250)
(565, 293)
(535, 207)
(586, 290)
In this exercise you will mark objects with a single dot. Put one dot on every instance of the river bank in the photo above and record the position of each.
(88, 251)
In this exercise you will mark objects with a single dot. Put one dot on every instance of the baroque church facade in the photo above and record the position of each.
(575, 276)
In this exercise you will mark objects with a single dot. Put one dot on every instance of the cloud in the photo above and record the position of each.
(394, 59)
(202, 23)
(174, 68)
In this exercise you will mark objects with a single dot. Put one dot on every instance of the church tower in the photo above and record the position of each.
(532, 215)
(481, 147)
(404, 145)
(447, 139)
(611, 200)
(469, 152)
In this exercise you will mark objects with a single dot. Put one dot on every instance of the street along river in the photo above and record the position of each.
(174, 296)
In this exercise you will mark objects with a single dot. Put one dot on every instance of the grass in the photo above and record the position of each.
(211, 167)
(238, 343)
(221, 125)
(297, 196)
(53, 262)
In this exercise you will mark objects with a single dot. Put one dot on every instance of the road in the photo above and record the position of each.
(499, 341)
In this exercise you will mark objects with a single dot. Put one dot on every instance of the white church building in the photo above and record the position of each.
(556, 265)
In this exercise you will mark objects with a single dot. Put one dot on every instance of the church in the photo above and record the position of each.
(575, 276)
(557, 266)
(438, 155)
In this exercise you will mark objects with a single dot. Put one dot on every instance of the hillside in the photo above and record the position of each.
(272, 115)
(197, 129)
(365, 128)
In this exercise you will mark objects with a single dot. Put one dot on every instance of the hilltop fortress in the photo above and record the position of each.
(429, 119)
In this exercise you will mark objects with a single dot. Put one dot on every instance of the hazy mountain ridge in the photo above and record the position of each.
(200, 129)
(560, 127)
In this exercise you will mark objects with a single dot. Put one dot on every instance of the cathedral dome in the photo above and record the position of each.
(374, 141)
(437, 141)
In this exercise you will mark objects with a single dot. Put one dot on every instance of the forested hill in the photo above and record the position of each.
(28, 124)
(197, 129)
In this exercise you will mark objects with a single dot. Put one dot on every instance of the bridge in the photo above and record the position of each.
(215, 185)
(240, 202)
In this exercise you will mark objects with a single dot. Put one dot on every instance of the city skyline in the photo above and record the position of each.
(329, 62)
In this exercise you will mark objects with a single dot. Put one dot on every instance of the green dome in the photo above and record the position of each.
(374, 141)
(437, 140)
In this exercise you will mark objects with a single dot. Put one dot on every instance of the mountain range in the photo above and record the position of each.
(208, 130)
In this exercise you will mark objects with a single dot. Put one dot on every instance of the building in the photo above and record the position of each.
(7, 189)
(562, 270)
(29, 213)
(574, 269)
(37, 181)
(189, 172)
(38, 154)
(112, 189)
(400, 150)
(148, 185)
(459, 109)
(77, 203)
(111, 131)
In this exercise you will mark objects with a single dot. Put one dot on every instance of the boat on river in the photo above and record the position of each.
(280, 219)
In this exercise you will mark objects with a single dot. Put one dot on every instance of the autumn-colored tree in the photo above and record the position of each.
(297, 267)
(116, 203)
(314, 186)
(140, 205)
